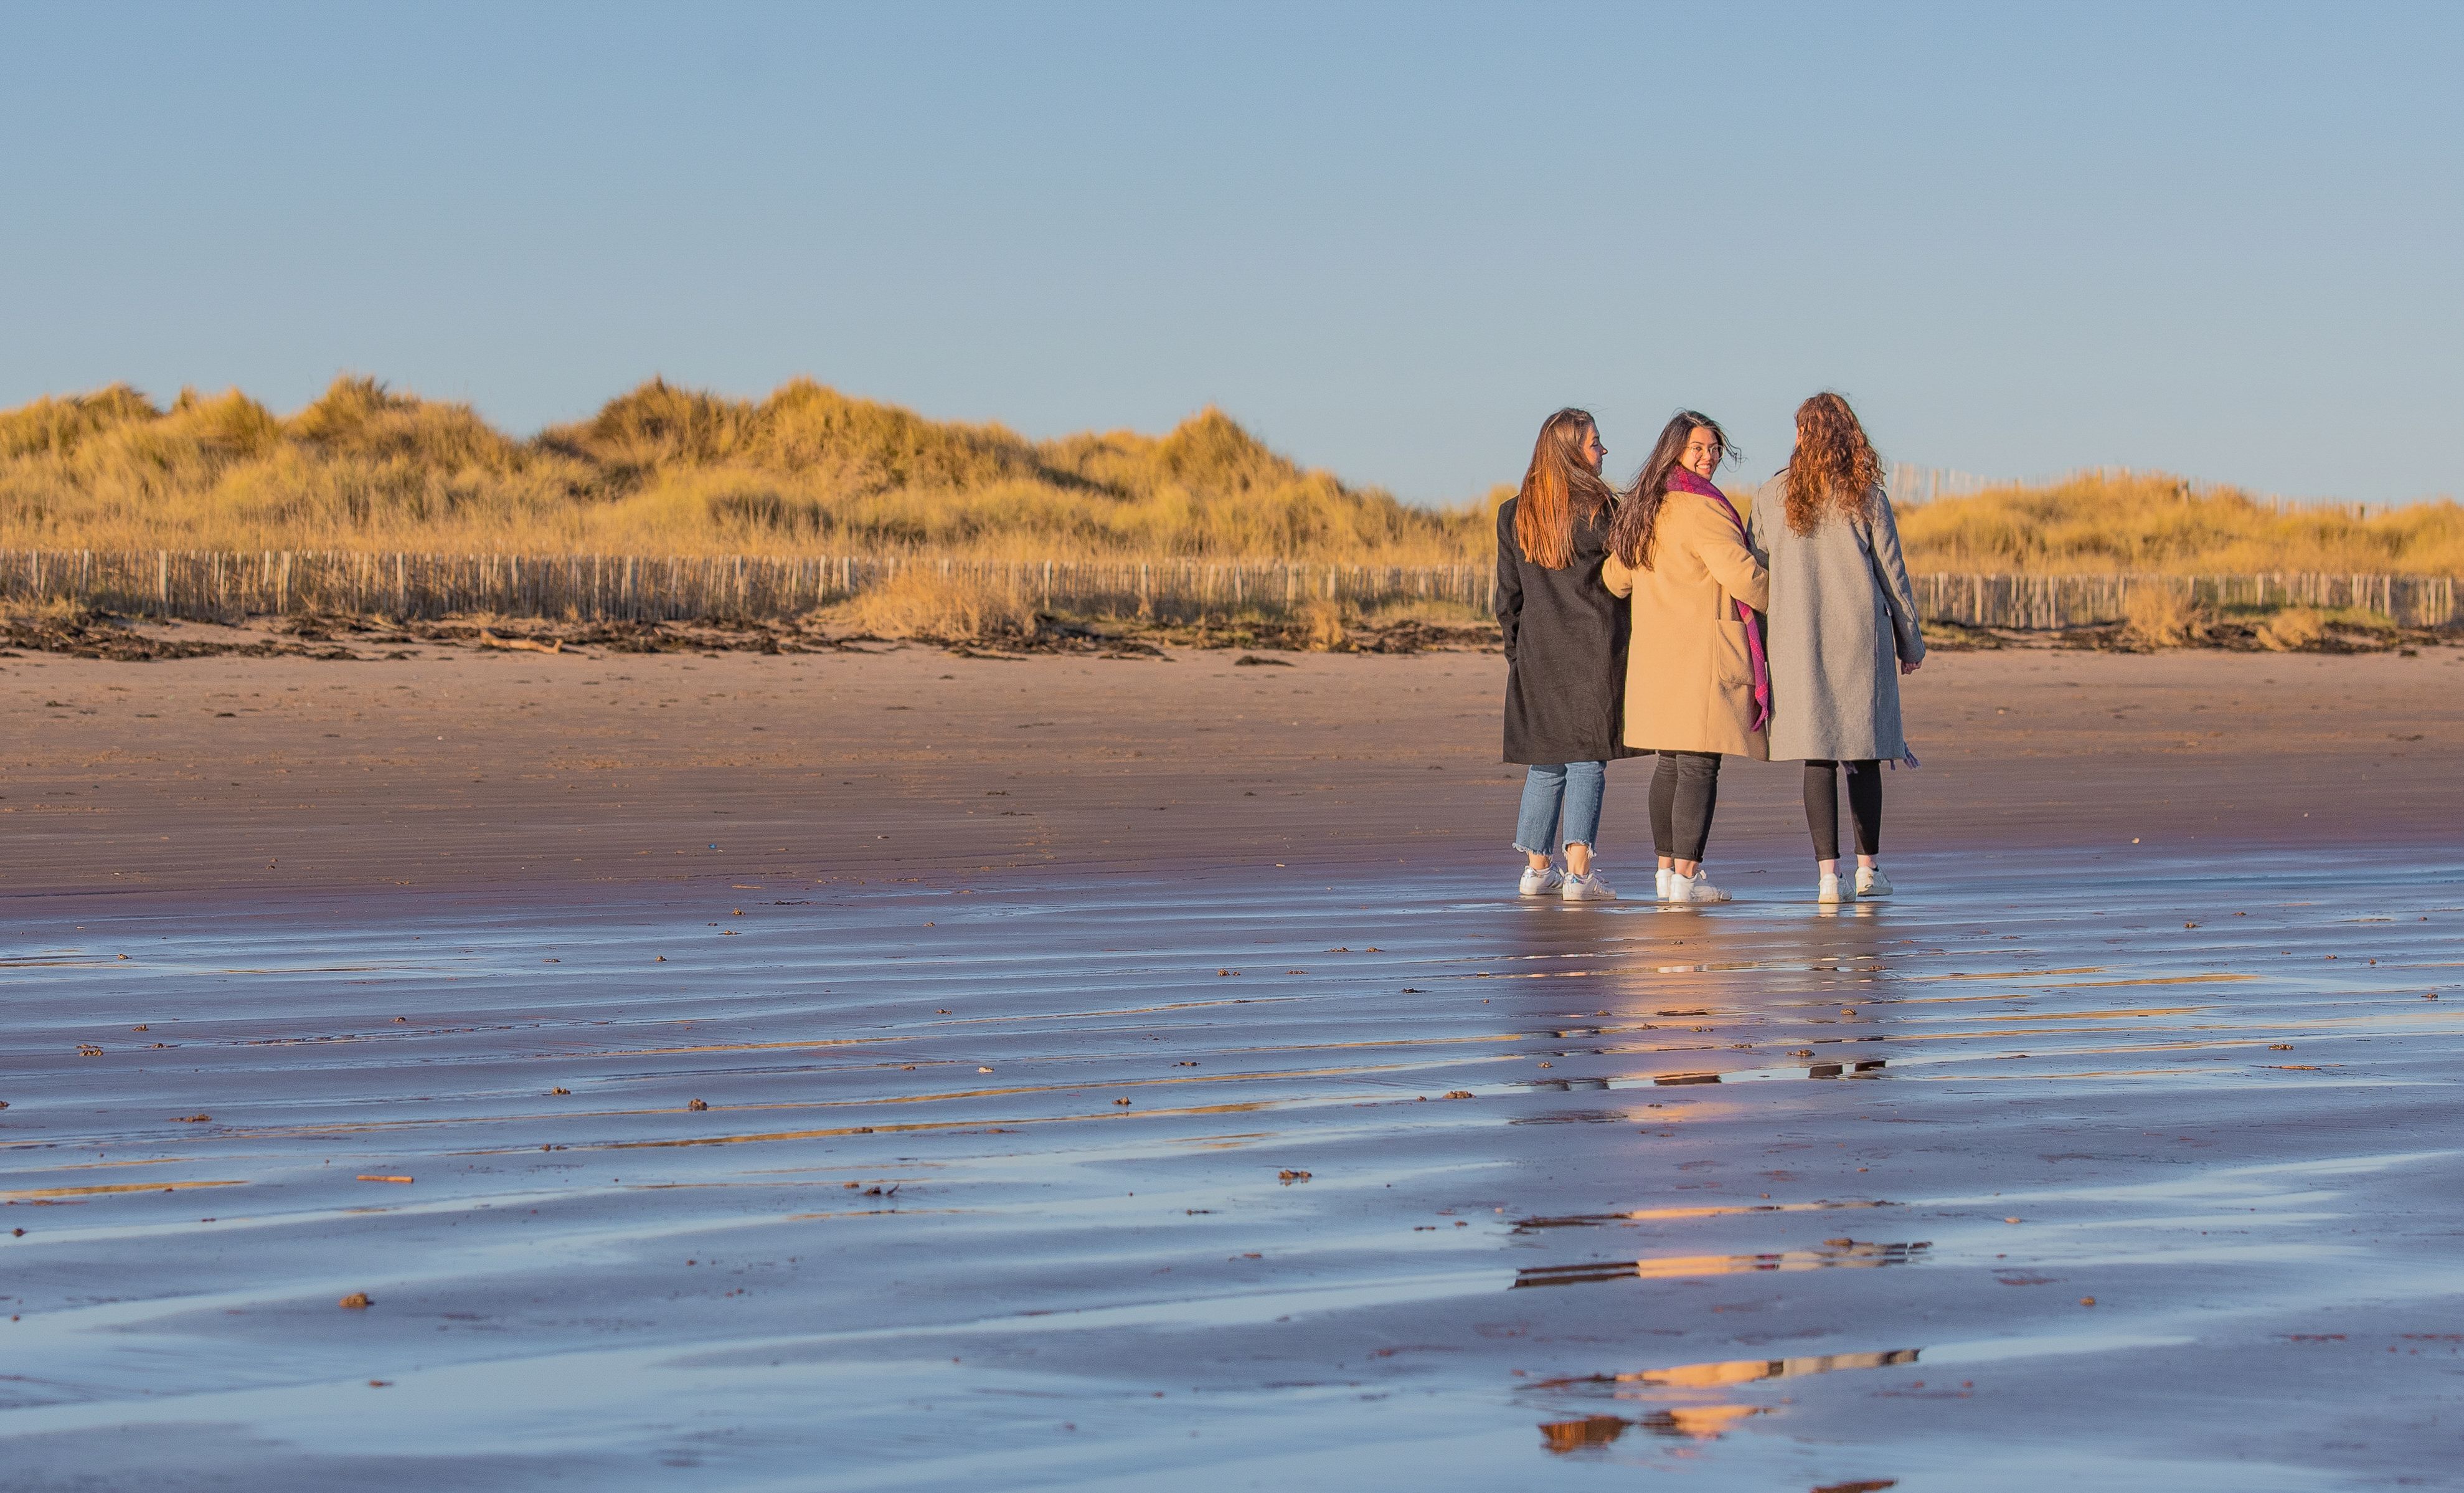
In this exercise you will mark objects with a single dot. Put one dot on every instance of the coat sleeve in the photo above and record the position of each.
(1758, 520)
(1891, 573)
(1614, 576)
(1724, 555)
(1510, 579)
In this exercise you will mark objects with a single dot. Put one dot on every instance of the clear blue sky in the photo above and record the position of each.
(2223, 239)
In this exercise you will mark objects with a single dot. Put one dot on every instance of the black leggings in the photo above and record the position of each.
(1864, 803)
(1685, 791)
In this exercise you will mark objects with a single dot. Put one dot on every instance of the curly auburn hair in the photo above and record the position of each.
(1833, 466)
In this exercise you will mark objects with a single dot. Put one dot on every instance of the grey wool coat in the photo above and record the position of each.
(1842, 617)
(1565, 650)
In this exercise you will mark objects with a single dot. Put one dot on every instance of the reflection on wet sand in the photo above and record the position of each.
(1739, 1371)
(1694, 1422)
(1653, 1215)
(1846, 1254)
(917, 1163)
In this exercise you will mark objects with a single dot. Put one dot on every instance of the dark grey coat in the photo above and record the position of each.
(1842, 617)
(1565, 650)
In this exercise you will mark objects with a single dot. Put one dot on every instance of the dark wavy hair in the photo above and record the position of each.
(1637, 514)
(1558, 487)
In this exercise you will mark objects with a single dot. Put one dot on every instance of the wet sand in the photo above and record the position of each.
(1033, 1160)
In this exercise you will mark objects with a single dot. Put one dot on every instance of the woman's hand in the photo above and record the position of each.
(1908, 666)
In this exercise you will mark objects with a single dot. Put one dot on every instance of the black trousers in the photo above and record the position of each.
(1685, 791)
(1864, 803)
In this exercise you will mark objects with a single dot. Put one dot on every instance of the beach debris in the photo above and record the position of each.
(141, 1027)
(1120, 1101)
(698, 1103)
(1185, 1062)
(1289, 1176)
(1457, 1094)
(1222, 972)
(2280, 1047)
(1866, 1485)
(380, 1383)
(88, 1050)
(357, 1301)
(554, 1091)
(369, 1176)
(488, 639)
(1253, 661)
(190, 1119)
(1839, 1243)
(2087, 1300)
(2010, 1220)
(661, 959)
(983, 1070)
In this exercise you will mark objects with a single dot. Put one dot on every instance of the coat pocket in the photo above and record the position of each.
(1731, 666)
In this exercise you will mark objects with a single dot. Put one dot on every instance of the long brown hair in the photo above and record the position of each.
(1558, 487)
(1638, 518)
(1833, 466)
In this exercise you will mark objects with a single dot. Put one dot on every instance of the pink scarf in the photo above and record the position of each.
(1682, 481)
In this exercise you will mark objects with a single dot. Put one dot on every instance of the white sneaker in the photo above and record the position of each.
(1872, 882)
(1540, 880)
(1586, 888)
(1693, 890)
(1829, 890)
(1660, 883)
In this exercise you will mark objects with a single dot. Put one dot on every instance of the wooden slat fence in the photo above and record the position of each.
(222, 586)
(2042, 602)
(211, 586)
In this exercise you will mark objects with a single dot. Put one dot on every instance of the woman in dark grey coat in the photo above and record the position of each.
(1565, 653)
(1843, 629)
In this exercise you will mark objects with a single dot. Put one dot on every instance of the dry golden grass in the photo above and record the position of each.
(1322, 624)
(664, 471)
(2292, 628)
(925, 604)
(667, 471)
(2160, 617)
(2101, 523)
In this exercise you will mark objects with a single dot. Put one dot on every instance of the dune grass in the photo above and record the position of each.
(669, 471)
(664, 471)
(2099, 523)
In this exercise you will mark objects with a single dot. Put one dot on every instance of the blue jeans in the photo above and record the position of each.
(1573, 787)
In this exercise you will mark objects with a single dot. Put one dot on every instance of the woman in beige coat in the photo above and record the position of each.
(1697, 685)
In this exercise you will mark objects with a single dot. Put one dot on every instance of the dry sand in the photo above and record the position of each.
(474, 769)
(1095, 1129)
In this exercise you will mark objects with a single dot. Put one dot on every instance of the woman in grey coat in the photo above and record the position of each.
(1843, 629)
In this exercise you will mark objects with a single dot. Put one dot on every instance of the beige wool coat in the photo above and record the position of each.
(1690, 681)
